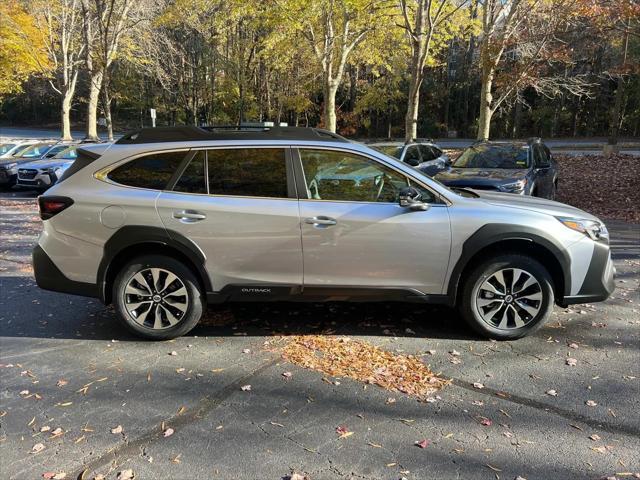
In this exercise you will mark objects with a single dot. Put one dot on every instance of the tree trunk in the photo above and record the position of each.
(411, 119)
(484, 124)
(330, 89)
(106, 106)
(95, 85)
(66, 115)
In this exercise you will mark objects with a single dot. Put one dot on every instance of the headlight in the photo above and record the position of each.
(515, 187)
(593, 229)
(9, 166)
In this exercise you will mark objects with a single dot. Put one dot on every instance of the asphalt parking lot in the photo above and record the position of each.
(81, 397)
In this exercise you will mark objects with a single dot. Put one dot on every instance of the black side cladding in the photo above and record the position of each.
(84, 158)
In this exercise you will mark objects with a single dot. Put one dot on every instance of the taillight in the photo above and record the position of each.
(50, 205)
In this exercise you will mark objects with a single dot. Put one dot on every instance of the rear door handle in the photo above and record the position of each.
(321, 221)
(189, 216)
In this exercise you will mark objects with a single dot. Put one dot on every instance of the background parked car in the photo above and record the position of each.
(525, 168)
(19, 154)
(424, 155)
(12, 148)
(42, 174)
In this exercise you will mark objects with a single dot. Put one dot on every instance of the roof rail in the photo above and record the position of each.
(191, 133)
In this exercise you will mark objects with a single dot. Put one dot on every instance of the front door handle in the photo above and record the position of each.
(189, 216)
(321, 221)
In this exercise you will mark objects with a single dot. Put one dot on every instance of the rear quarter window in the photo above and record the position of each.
(151, 171)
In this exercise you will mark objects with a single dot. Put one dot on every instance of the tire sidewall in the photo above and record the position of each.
(195, 295)
(485, 270)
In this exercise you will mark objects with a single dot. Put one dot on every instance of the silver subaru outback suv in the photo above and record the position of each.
(168, 220)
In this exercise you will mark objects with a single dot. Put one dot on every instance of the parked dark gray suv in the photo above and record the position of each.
(525, 168)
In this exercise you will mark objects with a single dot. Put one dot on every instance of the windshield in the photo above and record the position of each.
(391, 150)
(5, 147)
(35, 151)
(494, 156)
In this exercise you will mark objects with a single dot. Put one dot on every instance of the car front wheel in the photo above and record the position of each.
(507, 297)
(157, 297)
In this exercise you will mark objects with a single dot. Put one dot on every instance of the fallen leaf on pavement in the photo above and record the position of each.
(38, 447)
(572, 362)
(61, 383)
(286, 374)
(595, 437)
(357, 359)
(116, 430)
(245, 388)
(552, 393)
(422, 443)
(590, 403)
(126, 475)
(173, 353)
(486, 422)
(168, 432)
(478, 385)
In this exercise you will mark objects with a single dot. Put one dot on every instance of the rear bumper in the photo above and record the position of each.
(49, 277)
(599, 282)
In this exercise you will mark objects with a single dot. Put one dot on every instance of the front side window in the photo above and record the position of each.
(151, 171)
(248, 172)
(340, 176)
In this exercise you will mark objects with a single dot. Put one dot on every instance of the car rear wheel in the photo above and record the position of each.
(507, 297)
(158, 298)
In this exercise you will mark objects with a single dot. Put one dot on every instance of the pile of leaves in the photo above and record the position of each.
(606, 186)
(344, 357)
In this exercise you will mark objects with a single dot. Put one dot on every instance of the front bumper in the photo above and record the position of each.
(49, 277)
(599, 281)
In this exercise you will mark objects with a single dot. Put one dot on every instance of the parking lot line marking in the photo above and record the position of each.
(191, 415)
(605, 426)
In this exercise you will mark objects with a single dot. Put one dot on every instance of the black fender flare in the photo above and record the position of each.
(493, 233)
(132, 235)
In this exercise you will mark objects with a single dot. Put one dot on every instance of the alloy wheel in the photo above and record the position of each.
(509, 298)
(156, 298)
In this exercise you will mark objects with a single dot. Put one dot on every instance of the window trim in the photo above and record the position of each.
(304, 190)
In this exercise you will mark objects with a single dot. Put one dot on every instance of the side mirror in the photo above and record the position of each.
(414, 162)
(411, 198)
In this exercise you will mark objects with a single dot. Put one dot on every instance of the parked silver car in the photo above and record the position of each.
(422, 154)
(10, 152)
(167, 220)
(42, 174)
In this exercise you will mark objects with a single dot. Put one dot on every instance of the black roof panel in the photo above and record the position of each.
(191, 134)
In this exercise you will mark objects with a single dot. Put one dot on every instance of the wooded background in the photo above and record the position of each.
(374, 68)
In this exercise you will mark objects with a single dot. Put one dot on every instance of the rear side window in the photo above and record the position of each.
(248, 172)
(151, 171)
(193, 179)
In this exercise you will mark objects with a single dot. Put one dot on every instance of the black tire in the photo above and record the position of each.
(195, 303)
(472, 313)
